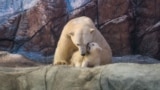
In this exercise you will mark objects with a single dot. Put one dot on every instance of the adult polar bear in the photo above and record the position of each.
(76, 34)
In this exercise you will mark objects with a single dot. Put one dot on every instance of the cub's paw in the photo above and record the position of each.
(60, 63)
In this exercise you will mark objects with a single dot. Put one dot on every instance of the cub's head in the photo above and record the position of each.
(93, 47)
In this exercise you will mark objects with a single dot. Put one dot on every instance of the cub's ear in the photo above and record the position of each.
(70, 33)
(92, 30)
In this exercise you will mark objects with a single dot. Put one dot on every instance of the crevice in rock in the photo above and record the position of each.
(100, 77)
(97, 12)
(55, 78)
(16, 30)
(45, 78)
(6, 39)
(135, 4)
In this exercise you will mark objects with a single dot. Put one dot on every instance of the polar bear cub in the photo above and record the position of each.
(91, 59)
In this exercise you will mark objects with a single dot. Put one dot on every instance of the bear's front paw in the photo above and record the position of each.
(60, 63)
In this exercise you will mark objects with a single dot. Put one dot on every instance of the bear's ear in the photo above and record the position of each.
(70, 33)
(92, 30)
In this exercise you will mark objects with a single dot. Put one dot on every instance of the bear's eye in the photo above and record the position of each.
(78, 44)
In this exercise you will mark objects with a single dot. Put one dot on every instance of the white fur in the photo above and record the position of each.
(91, 59)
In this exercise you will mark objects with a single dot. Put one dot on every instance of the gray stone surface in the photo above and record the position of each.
(131, 77)
(119, 76)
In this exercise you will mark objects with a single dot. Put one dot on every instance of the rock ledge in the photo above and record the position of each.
(120, 76)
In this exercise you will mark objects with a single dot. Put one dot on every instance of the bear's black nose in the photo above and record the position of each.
(83, 54)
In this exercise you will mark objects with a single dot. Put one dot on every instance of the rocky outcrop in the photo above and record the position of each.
(16, 60)
(32, 28)
(110, 77)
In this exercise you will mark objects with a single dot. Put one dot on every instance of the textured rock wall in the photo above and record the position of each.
(32, 28)
(146, 31)
(110, 77)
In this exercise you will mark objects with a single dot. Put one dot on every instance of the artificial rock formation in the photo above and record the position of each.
(32, 28)
(110, 77)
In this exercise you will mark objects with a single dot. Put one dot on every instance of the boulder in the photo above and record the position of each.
(32, 28)
(109, 77)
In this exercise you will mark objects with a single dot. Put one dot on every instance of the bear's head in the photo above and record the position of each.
(81, 37)
(93, 47)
